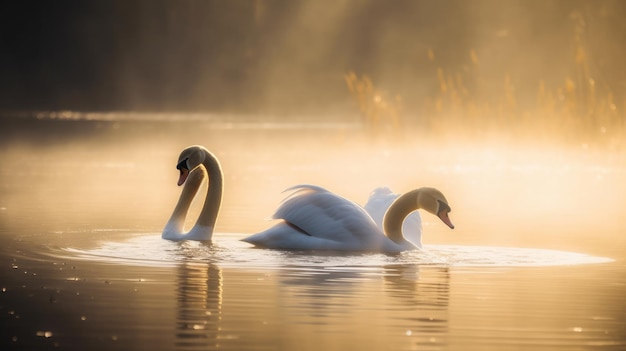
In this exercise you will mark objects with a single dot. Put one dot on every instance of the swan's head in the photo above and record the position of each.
(190, 158)
(433, 201)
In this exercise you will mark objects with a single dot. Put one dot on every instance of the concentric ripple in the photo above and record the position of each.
(228, 251)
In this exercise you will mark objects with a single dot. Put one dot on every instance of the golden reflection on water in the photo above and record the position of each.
(282, 298)
(199, 305)
(229, 295)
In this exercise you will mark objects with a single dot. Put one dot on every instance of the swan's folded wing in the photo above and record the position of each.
(285, 236)
(322, 214)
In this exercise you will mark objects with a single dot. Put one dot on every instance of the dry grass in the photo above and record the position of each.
(579, 110)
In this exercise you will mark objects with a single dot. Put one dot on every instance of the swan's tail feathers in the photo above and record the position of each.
(381, 191)
(277, 236)
(285, 236)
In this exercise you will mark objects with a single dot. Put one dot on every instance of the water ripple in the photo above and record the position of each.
(228, 251)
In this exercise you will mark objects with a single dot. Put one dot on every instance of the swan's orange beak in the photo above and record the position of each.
(183, 176)
(443, 215)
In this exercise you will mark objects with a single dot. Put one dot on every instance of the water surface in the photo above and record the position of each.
(536, 261)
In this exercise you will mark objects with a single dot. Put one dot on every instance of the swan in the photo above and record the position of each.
(313, 218)
(195, 163)
(377, 204)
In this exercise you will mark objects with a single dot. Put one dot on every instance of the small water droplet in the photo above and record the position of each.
(45, 334)
(409, 333)
(577, 329)
(83, 318)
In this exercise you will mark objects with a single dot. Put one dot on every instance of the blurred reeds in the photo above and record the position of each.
(580, 110)
(380, 114)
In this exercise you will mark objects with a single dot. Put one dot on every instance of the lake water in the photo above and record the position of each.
(537, 259)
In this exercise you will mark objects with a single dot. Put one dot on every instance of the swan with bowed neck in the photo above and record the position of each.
(377, 204)
(195, 163)
(313, 218)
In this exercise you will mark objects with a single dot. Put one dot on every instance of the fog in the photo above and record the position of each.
(515, 109)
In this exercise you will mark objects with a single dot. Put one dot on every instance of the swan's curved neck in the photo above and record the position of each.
(203, 228)
(213, 200)
(190, 189)
(397, 212)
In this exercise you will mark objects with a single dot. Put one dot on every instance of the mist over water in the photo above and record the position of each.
(536, 194)
(513, 109)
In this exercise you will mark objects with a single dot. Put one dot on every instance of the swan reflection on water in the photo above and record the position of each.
(229, 294)
(199, 300)
(419, 286)
(324, 297)
(417, 297)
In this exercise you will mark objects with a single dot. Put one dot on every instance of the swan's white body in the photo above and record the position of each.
(315, 219)
(377, 205)
(196, 164)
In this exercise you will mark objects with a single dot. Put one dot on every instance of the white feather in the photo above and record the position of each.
(315, 219)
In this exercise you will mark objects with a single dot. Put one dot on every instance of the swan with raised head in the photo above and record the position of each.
(313, 218)
(194, 163)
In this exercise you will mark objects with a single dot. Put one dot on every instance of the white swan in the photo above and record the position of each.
(377, 204)
(313, 218)
(194, 163)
